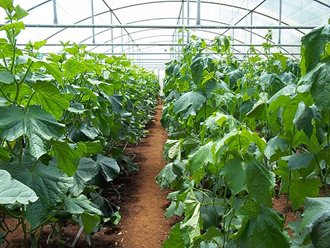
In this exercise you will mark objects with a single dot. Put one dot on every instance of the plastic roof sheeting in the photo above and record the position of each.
(151, 46)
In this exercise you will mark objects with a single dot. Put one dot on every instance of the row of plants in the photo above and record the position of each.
(65, 119)
(242, 132)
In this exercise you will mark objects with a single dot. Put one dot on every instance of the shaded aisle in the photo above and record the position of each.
(143, 223)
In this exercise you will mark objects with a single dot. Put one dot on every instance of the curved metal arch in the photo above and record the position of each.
(152, 36)
(167, 1)
(39, 5)
(146, 20)
(154, 42)
(153, 19)
(118, 45)
(149, 47)
(205, 31)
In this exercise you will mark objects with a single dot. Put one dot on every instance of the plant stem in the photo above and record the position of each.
(4, 60)
(77, 236)
(6, 97)
(24, 232)
(26, 73)
(13, 58)
(20, 148)
(11, 149)
(29, 101)
(287, 198)
(50, 216)
(17, 92)
(328, 158)
(224, 215)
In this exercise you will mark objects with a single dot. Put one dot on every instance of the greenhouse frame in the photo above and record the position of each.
(169, 123)
(149, 31)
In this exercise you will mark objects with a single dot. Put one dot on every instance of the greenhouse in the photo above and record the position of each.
(169, 123)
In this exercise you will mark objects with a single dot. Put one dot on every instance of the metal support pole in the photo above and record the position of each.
(280, 22)
(251, 22)
(198, 16)
(111, 31)
(182, 22)
(188, 19)
(126, 26)
(129, 47)
(122, 39)
(93, 21)
(177, 41)
(55, 21)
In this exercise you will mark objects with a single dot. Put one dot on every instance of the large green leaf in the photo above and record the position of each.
(49, 97)
(108, 166)
(73, 67)
(317, 81)
(67, 157)
(208, 236)
(87, 169)
(259, 107)
(166, 176)
(38, 125)
(79, 205)
(92, 148)
(312, 48)
(90, 222)
(19, 13)
(303, 119)
(274, 144)
(12, 191)
(302, 188)
(175, 239)
(321, 234)
(197, 67)
(6, 77)
(51, 69)
(189, 103)
(172, 148)
(317, 209)
(48, 182)
(199, 160)
(6, 4)
(234, 172)
(260, 182)
(242, 140)
(321, 87)
(298, 161)
(261, 228)
(17, 26)
(316, 220)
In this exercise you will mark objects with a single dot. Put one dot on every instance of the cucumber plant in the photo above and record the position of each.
(64, 120)
(241, 131)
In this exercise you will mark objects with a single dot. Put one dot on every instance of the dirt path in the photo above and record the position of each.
(143, 223)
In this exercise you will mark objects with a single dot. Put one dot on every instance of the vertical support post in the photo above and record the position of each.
(55, 21)
(93, 20)
(198, 16)
(233, 35)
(188, 20)
(251, 23)
(182, 22)
(177, 41)
(111, 31)
(128, 47)
(280, 22)
(122, 40)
